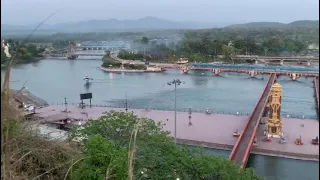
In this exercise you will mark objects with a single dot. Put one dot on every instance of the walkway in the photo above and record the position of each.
(242, 148)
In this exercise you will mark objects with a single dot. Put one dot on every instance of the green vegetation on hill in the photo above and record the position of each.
(257, 38)
(205, 47)
(60, 38)
(258, 25)
(295, 24)
(305, 24)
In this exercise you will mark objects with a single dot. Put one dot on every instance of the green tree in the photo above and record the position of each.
(144, 40)
(228, 51)
(156, 156)
(102, 159)
(107, 53)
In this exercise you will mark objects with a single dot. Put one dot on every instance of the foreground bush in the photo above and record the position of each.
(105, 149)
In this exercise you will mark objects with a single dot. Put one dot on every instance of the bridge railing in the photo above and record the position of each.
(316, 89)
(256, 67)
(157, 109)
(236, 146)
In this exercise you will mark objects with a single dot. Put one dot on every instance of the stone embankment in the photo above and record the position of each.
(25, 97)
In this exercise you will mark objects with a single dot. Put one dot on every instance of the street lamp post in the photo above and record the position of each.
(190, 112)
(126, 104)
(176, 82)
(65, 104)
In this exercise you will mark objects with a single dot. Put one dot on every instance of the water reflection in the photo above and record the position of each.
(71, 65)
(35, 64)
(200, 78)
(87, 86)
(111, 75)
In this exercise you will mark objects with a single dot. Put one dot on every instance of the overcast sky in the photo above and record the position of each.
(21, 12)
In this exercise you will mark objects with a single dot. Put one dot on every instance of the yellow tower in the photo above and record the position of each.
(274, 123)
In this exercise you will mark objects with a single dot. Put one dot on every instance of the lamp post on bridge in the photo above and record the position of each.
(175, 82)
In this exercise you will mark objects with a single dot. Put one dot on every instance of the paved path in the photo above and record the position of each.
(214, 131)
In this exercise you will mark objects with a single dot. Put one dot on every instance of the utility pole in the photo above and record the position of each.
(126, 104)
(65, 104)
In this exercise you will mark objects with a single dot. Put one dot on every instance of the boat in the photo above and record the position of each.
(72, 57)
(87, 78)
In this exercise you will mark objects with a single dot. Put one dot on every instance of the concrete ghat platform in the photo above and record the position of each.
(215, 131)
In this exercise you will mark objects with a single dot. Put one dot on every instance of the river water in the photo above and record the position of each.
(54, 80)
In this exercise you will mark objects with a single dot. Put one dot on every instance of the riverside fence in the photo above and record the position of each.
(284, 115)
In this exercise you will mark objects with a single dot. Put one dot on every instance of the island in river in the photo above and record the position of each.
(112, 65)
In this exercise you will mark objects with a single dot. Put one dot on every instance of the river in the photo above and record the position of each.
(53, 80)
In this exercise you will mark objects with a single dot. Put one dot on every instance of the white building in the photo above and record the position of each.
(5, 46)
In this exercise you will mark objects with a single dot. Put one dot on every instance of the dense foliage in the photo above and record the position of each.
(207, 49)
(207, 45)
(109, 62)
(156, 156)
(23, 52)
(58, 38)
(130, 55)
(267, 39)
(27, 155)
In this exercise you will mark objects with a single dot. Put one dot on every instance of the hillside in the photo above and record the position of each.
(295, 24)
(305, 23)
(305, 31)
(258, 25)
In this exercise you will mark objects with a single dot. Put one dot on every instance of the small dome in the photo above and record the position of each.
(276, 85)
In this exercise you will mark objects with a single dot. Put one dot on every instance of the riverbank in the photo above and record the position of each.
(212, 131)
(21, 61)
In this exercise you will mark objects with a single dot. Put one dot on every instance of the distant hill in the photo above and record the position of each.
(257, 25)
(113, 25)
(142, 24)
(305, 23)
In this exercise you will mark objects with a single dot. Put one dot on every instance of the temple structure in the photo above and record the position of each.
(274, 122)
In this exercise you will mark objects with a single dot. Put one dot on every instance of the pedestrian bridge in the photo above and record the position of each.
(316, 91)
(241, 150)
(257, 67)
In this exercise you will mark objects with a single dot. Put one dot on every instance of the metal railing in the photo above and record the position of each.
(257, 67)
(284, 115)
